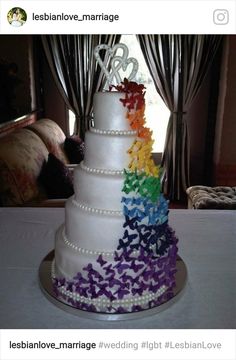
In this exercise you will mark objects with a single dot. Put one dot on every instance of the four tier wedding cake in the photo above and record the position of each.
(116, 252)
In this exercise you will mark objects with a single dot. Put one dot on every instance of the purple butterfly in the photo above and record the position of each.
(70, 286)
(143, 285)
(114, 282)
(126, 278)
(88, 268)
(97, 275)
(127, 255)
(118, 257)
(82, 291)
(144, 257)
(137, 291)
(161, 262)
(121, 293)
(135, 280)
(136, 267)
(101, 261)
(154, 288)
(121, 310)
(59, 282)
(147, 274)
(109, 269)
(157, 275)
(92, 291)
(121, 267)
(104, 292)
(109, 278)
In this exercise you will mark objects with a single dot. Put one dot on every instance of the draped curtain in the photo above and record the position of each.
(76, 72)
(178, 65)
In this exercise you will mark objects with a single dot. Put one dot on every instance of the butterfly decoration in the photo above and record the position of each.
(88, 268)
(109, 269)
(118, 256)
(131, 223)
(114, 282)
(101, 261)
(121, 293)
(126, 278)
(121, 310)
(127, 239)
(136, 308)
(127, 254)
(121, 267)
(146, 230)
(136, 280)
(145, 132)
(136, 267)
(136, 119)
(82, 291)
(138, 291)
(147, 274)
(59, 282)
(135, 94)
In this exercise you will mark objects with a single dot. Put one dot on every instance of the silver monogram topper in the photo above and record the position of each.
(117, 62)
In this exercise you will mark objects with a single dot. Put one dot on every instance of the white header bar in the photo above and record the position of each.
(120, 17)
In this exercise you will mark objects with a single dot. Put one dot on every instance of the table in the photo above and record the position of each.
(207, 243)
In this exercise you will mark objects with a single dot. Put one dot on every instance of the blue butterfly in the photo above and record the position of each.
(131, 223)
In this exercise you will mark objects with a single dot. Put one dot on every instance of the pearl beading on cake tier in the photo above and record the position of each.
(96, 211)
(140, 300)
(113, 132)
(86, 251)
(100, 171)
(91, 252)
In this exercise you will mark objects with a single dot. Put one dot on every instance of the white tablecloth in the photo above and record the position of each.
(207, 244)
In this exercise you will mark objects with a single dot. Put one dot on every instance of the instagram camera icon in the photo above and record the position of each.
(221, 16)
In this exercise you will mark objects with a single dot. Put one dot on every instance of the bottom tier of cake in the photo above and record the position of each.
(126, 280)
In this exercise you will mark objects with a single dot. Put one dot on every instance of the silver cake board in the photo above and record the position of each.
(45, 281)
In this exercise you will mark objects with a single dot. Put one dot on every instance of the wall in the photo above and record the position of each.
(17, 49)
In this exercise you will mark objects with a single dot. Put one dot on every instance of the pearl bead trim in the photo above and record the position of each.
(96, 211)
(138, 300)
(87, 251)
(113, 132)
(100, 171)
(82, 250)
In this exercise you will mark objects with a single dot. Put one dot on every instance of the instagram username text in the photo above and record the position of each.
(75, 17)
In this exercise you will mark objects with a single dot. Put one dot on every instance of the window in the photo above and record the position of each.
(71, 118)
(157, 114)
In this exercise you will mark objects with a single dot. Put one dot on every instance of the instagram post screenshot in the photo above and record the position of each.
(118, 180)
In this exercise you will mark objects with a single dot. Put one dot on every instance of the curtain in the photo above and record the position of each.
(76, 72)
(178, 64)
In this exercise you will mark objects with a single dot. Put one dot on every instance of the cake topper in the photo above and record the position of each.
(117, 62)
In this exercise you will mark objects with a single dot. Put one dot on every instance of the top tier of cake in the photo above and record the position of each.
(109, 112)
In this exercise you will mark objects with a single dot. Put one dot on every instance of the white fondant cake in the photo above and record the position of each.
(116, 252)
